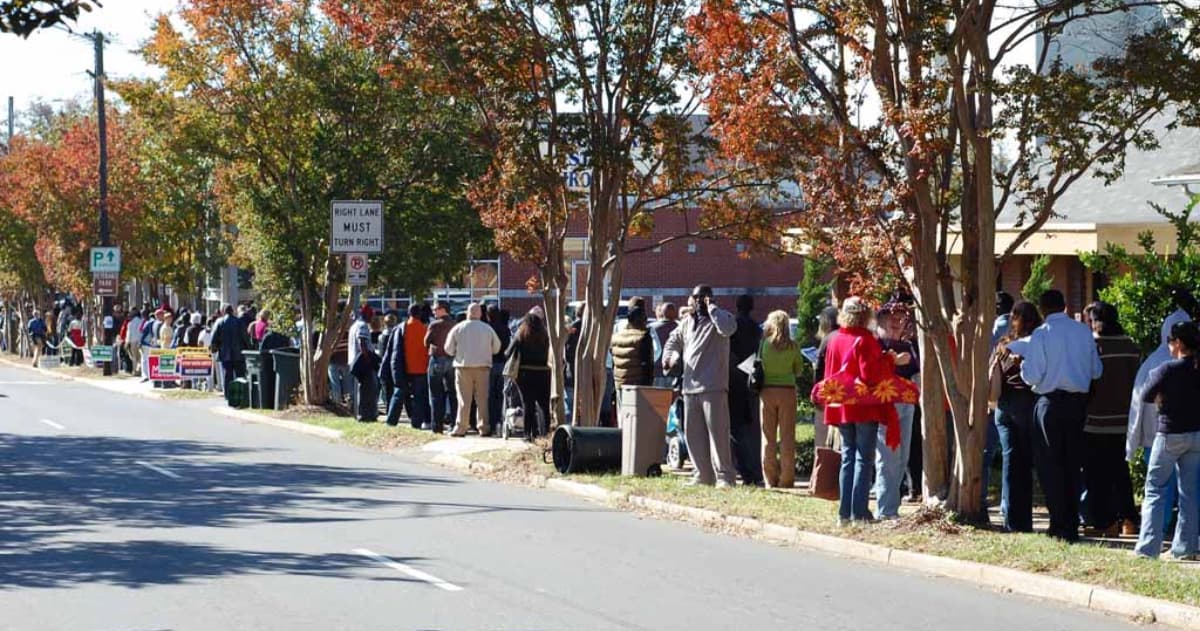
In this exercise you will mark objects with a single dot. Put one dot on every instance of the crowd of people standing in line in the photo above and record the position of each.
(1073, 403)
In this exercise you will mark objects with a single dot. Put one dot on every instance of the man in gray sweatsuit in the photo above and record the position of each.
(701, 342)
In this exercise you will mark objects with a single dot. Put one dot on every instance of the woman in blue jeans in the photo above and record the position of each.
(1014, 423)
(854, 350)
(1175, 388)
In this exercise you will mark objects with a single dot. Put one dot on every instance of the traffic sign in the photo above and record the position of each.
(356, 226)
(106, 259)
(356, 270)
(106, 283)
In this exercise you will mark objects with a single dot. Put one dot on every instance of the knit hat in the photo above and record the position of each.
(197, 318)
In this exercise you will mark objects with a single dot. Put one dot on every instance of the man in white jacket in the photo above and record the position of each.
(472, 343)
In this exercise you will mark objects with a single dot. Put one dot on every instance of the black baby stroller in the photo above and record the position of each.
(514, 409)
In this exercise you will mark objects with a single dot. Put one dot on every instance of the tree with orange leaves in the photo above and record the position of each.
(888, 115)
(597, 87)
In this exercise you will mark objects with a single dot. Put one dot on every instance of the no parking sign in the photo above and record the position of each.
(356, 270)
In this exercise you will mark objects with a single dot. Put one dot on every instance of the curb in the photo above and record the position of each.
(95, 383)
(295, 426)
(1141, 609)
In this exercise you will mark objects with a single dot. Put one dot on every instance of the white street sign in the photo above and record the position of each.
(356, 270)
(106, 259)
(356, 226)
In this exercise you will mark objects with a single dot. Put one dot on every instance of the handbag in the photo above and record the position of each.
(827, 465)
(758, 376)
(995, 381)
(512, 367)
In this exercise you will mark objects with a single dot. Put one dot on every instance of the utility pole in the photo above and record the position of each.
(108, 331)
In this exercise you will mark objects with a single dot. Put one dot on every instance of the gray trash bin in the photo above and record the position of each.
(287, 375)
(643, 421)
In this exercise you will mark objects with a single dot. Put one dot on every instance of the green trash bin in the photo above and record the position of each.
(287, 375)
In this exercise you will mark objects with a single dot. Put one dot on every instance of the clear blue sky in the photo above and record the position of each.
(53, 64)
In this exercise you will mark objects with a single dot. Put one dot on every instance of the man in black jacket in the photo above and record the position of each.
(393, 368)
(229, 340)
(745, 428)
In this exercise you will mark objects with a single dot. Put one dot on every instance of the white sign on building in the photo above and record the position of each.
(356, 226)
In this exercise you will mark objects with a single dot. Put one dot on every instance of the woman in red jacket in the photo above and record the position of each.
(854, 349)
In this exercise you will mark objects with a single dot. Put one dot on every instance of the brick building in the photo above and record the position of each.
(669, 272)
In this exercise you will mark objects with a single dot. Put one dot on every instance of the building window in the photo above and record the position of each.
(691, 248)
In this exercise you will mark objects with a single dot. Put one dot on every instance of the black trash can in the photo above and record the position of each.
(287, 375)
(586, 449)
(260, 372)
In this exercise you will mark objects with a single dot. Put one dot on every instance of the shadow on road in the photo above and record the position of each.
(137, 564)
(56, 488)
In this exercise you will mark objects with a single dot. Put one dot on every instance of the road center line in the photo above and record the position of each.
(411, 571)
(53, 424)
(158, 469)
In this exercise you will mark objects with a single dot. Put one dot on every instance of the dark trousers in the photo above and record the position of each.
(443, 399)
(1014, 424)
(366, 393)
(416, 400)
(1106, 474)
(535, 393)
(496, 395)
(395, 405)
(231, 370)
(745, 433)
(1058, 455)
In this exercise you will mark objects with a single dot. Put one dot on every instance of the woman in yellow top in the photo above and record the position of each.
(782, 362)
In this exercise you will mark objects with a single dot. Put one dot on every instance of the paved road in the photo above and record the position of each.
(119, 513)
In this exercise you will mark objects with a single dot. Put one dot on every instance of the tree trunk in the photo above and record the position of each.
(599, 315)
(933, 426)
(556, 307)
(316, 359)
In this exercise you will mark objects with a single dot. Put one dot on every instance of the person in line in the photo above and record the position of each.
(782, 364)
(230, 340)
(133, 340)
(1175, 388)
(166, 333)
(472, 343)
(701, 345)
(260, 326)
(660, 331)
(393, 370)
(363, 381)
(1143, 423)
(339, 366)
(499, 321)
(75, 335)
(416, 362)
(827, 323)
(191, 336)
(570, 349)
(891, 464)
(1004, 307)
(1109, 501)
(531, 345)
(37, 335)
(442, 396)
(1059, 363)
(853, 348)
(633, 352)
(745, 425)
(1014, 422)
(387, 382)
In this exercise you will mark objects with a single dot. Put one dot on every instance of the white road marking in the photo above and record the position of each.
(158, 469)
(411, 571)
(53, 424)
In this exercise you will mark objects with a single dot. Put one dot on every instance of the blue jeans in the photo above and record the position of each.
(1177, 454)
(442, 396)
(339, 376)
(396, 403)
(858, 467)
(1014, 427)
(989, 455)
(1170, 493)
(892, 464)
